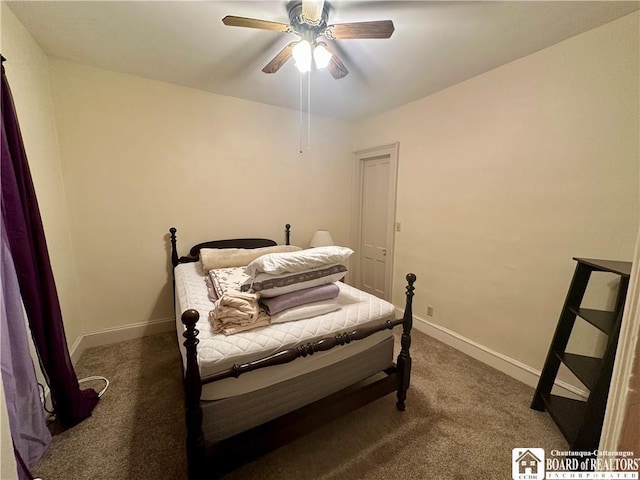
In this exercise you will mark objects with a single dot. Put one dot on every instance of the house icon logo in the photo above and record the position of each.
(527, 463)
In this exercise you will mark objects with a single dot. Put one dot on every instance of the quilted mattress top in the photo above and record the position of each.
(217, 351)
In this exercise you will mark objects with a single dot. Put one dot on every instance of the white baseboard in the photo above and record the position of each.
(76, 350)
(113, 335)
(510, 366)
(119, 334)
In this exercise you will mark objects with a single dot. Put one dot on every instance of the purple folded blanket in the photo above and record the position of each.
(280, 303)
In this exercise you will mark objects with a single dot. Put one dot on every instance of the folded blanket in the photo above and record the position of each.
(221, 280)
(236, 312)
(277, 304)
(211, 290)
(306, 311)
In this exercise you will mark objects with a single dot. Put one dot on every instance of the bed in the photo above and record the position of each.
(251, 392)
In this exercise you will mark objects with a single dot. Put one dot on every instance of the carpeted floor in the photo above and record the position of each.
(463, 419)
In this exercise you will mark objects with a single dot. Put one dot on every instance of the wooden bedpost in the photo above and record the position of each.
(287, 234)
(192, 391)
(404, 359)
(174, 250)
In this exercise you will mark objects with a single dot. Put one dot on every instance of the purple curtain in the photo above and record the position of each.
(28, 427)
(28, 247)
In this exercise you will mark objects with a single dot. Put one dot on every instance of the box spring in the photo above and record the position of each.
(226, 417)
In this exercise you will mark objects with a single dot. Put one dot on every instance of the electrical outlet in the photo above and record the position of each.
(429, 310)
(398, 226)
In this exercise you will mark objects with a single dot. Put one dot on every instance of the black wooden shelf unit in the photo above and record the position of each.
(580, 421)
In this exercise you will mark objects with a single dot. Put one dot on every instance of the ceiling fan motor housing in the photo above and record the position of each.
(307, 29)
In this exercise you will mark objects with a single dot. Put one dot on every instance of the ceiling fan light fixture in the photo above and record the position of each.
(308, 19)
(321, 55)
(302, 55)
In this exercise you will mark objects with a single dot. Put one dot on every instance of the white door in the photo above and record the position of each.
(373, 245)
(373, 219)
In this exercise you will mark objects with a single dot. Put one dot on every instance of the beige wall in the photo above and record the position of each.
(140, 156)
(28, 74)
(505, 177)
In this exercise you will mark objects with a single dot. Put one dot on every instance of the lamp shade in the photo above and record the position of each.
(322, 238)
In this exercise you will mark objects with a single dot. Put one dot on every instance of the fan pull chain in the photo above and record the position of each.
(301, 140)
(301, 119)
(308, 110)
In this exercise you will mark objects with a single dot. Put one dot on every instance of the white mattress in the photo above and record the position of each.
(217, 352)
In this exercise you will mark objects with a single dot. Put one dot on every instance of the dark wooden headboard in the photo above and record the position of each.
(194, 253)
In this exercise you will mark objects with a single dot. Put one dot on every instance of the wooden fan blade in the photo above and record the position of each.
(232, 21)
(336, 68)
(312, 10)
(280, 59)
(375, 29)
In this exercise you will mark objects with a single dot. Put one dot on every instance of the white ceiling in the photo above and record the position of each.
(435, 44)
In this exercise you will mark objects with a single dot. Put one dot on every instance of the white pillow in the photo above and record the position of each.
(292, 262)
(237, 257)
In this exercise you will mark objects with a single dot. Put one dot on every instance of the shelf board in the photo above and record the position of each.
(587, 369)
(601, 319)
(567, 413)
(612, 266)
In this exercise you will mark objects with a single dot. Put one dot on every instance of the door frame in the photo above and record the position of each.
(360, 157)
(623, 391)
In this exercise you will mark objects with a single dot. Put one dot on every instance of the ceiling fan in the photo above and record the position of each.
(308, 20)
